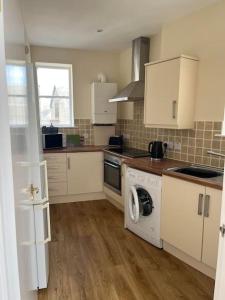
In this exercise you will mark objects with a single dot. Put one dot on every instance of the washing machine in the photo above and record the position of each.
(142, 205)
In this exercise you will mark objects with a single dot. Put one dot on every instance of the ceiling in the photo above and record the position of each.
(74, 23)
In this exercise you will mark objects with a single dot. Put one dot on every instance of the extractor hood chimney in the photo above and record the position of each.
(140, 56)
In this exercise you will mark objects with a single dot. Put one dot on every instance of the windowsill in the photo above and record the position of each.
(64, 127)
(69, 127)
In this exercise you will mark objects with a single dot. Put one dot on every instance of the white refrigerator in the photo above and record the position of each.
(29, 206)
(40, 196)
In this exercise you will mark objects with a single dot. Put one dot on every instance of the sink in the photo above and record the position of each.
(200, 172)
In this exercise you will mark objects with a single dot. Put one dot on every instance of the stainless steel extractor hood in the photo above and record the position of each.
(140, 55)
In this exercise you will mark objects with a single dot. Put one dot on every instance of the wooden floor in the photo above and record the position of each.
(93, 257)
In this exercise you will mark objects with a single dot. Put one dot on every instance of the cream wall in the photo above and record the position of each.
(86, 66)
(203, 35)
(125, 110)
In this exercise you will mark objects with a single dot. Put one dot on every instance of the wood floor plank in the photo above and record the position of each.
(92, 257)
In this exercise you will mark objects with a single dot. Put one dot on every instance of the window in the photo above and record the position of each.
(55, 94)
(16, 77)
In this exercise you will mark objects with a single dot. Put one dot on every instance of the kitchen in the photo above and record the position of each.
(128, 202)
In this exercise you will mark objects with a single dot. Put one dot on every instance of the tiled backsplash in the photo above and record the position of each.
(194, 143)
(84, 128)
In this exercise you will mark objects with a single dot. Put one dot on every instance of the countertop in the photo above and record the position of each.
(160, 168)
(88, 148)
(147, 165)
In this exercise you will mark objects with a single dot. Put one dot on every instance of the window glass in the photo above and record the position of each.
(55, 94)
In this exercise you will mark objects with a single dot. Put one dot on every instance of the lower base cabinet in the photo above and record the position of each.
(74, 173)
(190, 217)
(85, 172)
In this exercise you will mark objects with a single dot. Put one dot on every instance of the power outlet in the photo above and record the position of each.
(177, 146)
(170, 145)
(126, 136)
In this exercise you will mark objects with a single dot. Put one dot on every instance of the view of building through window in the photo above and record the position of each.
(55, 94)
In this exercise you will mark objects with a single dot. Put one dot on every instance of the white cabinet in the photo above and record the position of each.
(74, 173)
(190, 217)
(170, 87)
(103, 112)
(85, 172)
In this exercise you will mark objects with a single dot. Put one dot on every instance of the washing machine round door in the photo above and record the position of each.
(145, 202)
(140, 203)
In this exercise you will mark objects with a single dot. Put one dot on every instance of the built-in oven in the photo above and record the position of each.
(112, 172)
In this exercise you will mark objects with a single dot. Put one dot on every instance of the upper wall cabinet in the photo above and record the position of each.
(103, 112)
(170, 87)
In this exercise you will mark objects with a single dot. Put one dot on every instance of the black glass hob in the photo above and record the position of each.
(129, 152)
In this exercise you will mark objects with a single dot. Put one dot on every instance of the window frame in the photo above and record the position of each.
(69, 67)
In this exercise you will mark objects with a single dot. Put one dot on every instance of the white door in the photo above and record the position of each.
(220, 272)
(19, 122)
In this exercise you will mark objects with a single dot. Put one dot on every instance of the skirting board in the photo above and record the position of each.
(190, 260)
(77, 198)
(114, 198)
(115, 203)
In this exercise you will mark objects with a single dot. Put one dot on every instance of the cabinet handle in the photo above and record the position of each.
(174, 109)
(68, 163)
(200, 204)
(206, 207)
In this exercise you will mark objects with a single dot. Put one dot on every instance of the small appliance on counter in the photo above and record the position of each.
(157, 149)
(49, 129)
(116, 141)
(52, 138)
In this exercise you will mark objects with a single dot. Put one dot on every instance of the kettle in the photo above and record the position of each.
(157, 149)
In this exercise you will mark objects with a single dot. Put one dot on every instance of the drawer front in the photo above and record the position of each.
(57, 188)
(55, 170)
(57, 167)
(57, 176)
(54, 159)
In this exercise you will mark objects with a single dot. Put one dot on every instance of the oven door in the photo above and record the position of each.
(112, 176)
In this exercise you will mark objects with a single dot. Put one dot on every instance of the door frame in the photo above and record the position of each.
(220, 271)
(9, 277)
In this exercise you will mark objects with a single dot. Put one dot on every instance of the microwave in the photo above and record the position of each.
(53, 140)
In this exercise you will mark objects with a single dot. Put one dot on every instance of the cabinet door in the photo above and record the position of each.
(161, 93)
(85, 172)
(181, 216)
(212, 212)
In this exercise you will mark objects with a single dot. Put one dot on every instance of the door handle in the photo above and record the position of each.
(134, 214)
(49, 238)
(174, 103)
(200, 204)
(44, 164)
(222, 230)
(33, 191)
(206, 206)
(111, 165)
(68, 163)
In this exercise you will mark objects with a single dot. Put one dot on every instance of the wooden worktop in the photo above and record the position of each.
(88, 148)
(146, 164)
(160, 167)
